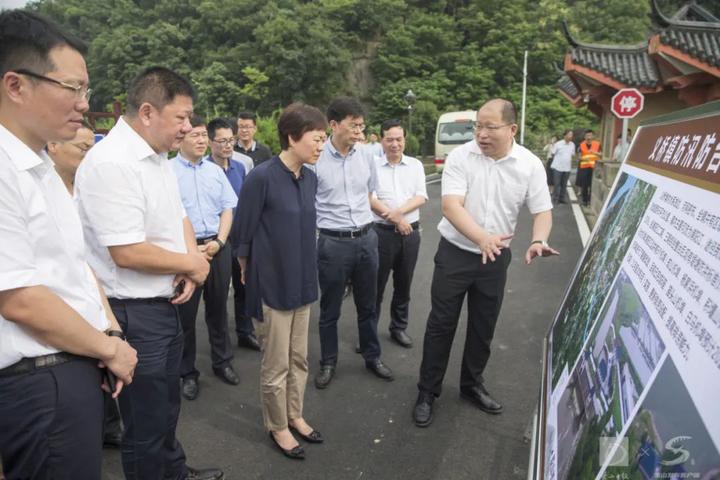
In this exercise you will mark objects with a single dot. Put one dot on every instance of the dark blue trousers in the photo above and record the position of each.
(340, 260)
(51, 422)
(150, 405)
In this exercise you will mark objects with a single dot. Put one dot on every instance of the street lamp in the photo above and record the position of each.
(410, 100)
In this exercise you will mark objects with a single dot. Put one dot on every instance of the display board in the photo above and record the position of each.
(631, 386)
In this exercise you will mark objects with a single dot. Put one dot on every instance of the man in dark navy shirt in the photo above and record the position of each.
(236, 172)
(246, 143)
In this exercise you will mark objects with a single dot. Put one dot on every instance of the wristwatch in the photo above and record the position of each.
(115, 333)
(541, 242)
(220, 243)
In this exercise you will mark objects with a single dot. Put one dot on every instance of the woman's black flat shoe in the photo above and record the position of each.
(296, 453)
(313, 437)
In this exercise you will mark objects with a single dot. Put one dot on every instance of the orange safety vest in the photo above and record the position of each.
(589, 155)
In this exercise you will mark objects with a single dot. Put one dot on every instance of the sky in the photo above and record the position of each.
(12, 3)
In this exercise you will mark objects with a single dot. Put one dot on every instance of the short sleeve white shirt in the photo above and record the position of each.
(128, 194)
(43, 244)
(564, 151)
(494, 190)
(399, 183)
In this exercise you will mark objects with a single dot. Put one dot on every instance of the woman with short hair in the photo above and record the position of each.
(275, 242)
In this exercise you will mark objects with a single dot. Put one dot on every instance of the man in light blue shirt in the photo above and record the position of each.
(209, 200)
(347, 245)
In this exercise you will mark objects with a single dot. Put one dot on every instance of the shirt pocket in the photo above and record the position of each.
(513, 195)
(211, 189)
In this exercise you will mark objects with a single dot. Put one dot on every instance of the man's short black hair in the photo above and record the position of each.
(157, 86)
(343, 107)
(388, 124)
(296, 120)
(197, 121)
(588, 131)
(216, 124)
(26, 40)
(247, 116)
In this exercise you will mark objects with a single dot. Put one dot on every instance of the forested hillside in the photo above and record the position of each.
(453, 54)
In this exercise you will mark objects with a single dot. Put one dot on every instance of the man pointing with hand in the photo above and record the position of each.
(484, 184)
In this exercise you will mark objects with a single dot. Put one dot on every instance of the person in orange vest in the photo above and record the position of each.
(588, 154)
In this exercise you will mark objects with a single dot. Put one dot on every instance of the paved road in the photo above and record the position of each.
(366, 421)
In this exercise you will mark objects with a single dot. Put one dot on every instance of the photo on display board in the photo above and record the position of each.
(614, 368)
(667, 438)
(601, 262)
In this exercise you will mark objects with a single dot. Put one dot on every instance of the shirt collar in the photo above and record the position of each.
(403, 160)
(22, 157)
(187, 162)
(514, 151)
(231, 163)
(136, 146)
(334, 151)
(252, 146)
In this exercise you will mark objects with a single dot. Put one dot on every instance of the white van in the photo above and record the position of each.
(453, 129)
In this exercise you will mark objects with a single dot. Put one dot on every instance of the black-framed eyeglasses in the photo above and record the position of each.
(81, 92)
(225, 142)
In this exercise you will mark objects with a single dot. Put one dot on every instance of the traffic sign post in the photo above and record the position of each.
(626, 104)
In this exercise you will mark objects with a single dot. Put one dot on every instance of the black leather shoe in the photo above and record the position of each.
(112, 440)
(250, 342)
(481, 398)
(227, 374)
(401, 338)
(324, 376)
(204, 474)
(296, 453)
(190, 388)
(423, 411)
(380, 369)
(312, 437)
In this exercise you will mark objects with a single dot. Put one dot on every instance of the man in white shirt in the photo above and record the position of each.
(396, 206)
(561, 166)
(143, 249)
(53, 314)
(484, 184)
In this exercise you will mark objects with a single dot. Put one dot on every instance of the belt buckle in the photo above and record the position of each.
(44, 361)
(354, 234)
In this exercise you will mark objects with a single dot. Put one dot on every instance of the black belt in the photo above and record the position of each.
(347, 233)
(27, 365)
(385, 226)
(122, 301)
(203, 241)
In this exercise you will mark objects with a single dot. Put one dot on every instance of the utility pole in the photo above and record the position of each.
(524, 95)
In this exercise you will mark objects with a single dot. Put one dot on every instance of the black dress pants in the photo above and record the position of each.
(457, 273)
(51, 422)
(215, 292)
(397, 254)
(243, 322)
(150, 405)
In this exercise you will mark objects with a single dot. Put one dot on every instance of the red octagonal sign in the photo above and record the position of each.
(627, 103)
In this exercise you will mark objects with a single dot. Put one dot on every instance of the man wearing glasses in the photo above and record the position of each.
(209, 201)
(56, 328)
(221, 152)
(484, 184)
(347, 243)
(246, 143)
